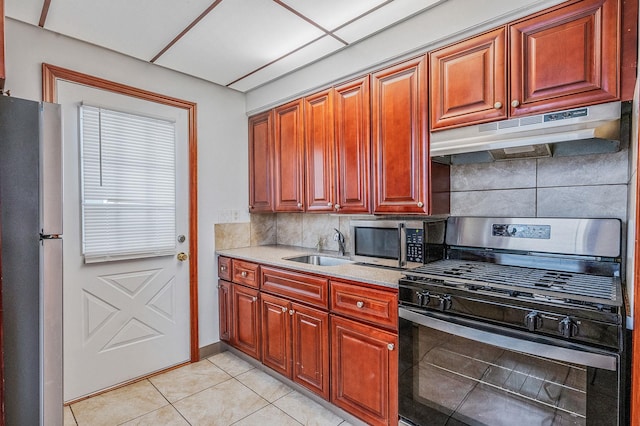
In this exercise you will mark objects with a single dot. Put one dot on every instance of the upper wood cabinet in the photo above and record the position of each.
(468, 81)
(353, 146)
(260, 166)
(2, 68)
(400, 139)
(566, 57)
(320, 151)
(560, 58)
(288, 164)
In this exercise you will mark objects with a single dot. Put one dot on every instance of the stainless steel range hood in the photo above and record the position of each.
(586, 130)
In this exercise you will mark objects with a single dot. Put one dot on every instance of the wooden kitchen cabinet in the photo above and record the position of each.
(295, 342)
(260, 163)
(245, 323)
(352, 113)
(296, 286)
(563, 57)
(468, 81)
(367, 304)
(245, 273)
(320, 149)
(566, 57)
(224, 309)
(400, 139)
(364, 371)
(288, 164)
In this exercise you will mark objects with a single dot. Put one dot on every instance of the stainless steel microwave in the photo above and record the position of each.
(397, 243)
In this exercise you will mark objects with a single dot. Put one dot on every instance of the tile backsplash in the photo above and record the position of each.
(580, 186)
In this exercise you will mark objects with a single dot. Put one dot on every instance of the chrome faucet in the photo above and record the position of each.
(339, 237)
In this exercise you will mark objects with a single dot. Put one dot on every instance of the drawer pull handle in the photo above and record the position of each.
(223, 268)
(244, 274)
(291, 312)
(284, 309)
(391, 346)
(254, 298)
(360, 304)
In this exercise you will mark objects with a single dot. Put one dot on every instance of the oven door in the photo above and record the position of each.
(459, 372)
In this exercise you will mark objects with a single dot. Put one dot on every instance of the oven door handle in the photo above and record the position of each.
(558, 353)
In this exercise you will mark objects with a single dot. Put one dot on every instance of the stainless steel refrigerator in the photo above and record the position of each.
(31, 223)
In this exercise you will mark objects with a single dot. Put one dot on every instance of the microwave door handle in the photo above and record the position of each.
(402, 250)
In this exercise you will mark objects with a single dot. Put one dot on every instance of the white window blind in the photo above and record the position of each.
(128, 185)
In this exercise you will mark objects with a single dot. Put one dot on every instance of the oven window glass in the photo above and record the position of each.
(450, 380)
(377, 242)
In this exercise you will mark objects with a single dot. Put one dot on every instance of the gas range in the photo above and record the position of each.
(553, 277)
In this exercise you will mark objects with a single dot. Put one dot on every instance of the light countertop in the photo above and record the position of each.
(275, 255)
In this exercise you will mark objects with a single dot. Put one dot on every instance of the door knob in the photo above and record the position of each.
(182, 257)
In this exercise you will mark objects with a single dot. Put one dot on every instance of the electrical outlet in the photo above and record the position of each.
(235, 215)
(224, 216)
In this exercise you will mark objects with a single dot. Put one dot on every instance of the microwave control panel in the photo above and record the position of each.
(415, 244)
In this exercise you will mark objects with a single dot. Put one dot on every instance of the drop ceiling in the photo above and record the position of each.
(241, 44)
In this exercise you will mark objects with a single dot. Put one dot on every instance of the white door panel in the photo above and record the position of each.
(122, 319)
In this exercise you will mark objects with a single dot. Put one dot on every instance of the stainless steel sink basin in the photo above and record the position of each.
(316, 259)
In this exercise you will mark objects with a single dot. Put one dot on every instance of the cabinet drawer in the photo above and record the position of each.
(224, 268)
(245, 273)
(299, 287)
(377, 306)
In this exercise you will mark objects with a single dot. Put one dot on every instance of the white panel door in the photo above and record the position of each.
(122, 319)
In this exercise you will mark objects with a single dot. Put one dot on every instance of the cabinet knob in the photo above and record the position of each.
(244, 274)
(223, 268)
(420, 204)
(337, 206)
(391, 346)
(329, 204)
(497, 105)
(250, 207)
(291, 312)
(299, 205)
(284, 309)
(515, 103)
(360, 304)
(254, 298)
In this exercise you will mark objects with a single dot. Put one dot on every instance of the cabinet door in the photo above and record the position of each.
(224, 309)
(260, 158)
(276, 334)
(311, 349)
(353, 146)
(320, 151)
(565, 58)
(364, 371)
(289, 157)
(246, 320)
(400, 139)
(468, 81)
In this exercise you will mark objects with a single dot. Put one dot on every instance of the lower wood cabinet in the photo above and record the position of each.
(295, 342)
(245, 322)
(364, 371)
(344, 351)
(224, 309)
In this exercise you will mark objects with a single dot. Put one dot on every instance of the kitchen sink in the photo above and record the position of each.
(316, 259)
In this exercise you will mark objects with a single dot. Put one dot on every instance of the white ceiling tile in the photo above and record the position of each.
(330, 14)
(385, 16)
(312, 52)
(138, 28)
(23, 10)
(240, 37)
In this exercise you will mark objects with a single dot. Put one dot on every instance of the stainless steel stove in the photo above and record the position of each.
(547, 288)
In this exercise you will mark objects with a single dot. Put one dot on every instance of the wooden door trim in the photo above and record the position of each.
(50, 76)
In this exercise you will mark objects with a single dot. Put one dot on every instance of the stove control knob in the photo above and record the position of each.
(568, 328)
(445, 303)
(423, 298)
(533, 321)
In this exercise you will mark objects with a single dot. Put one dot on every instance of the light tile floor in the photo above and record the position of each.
(220, 390)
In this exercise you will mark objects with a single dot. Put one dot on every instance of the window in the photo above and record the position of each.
(128, 185)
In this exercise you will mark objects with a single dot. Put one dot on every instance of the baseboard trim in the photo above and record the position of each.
(212, 349)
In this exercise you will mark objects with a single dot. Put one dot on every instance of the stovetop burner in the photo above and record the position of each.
(552, 284)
